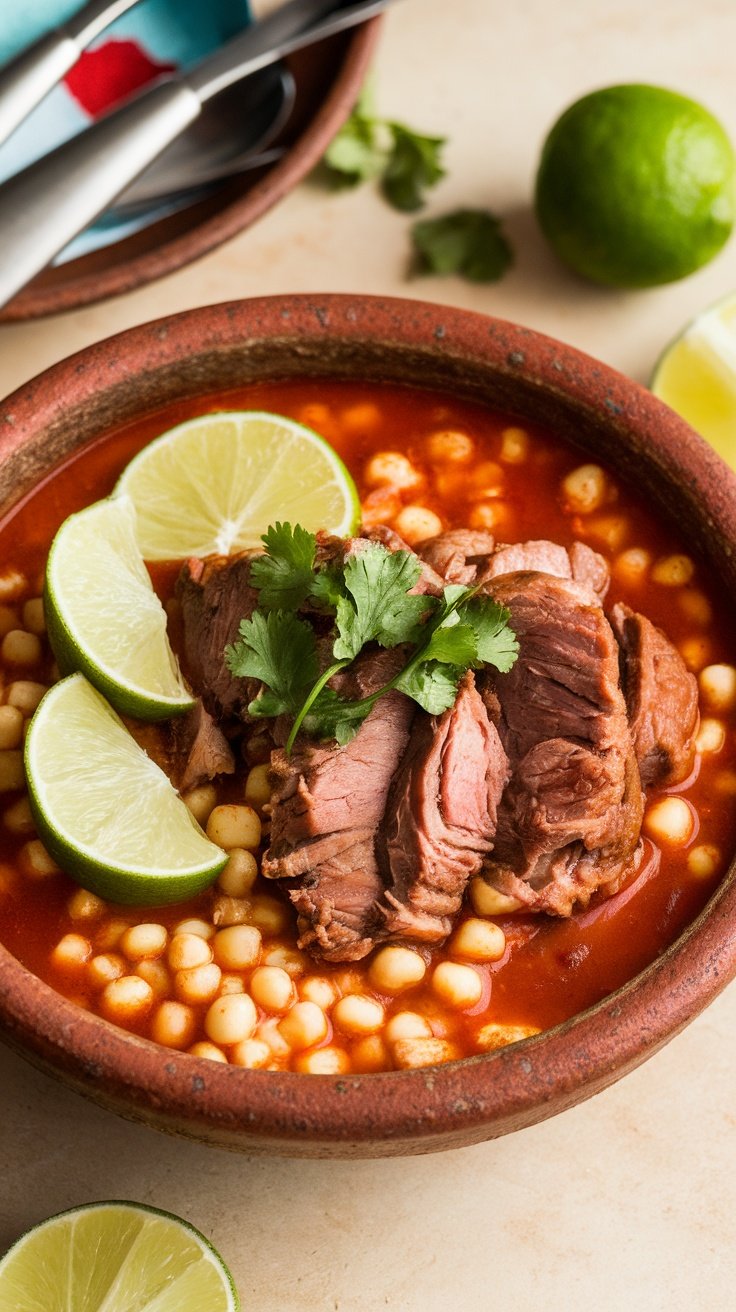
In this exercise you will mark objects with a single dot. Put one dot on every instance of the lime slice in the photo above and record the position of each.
(696, 376)
(105, 811)
(215, 483)
(104, 617)
(115, 1257)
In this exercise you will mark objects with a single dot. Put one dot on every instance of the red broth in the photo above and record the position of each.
(510, 480)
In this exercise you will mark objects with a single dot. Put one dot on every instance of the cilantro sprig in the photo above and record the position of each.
(369, 599)
(407, 162)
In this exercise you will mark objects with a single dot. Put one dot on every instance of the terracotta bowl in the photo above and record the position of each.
(510, 368)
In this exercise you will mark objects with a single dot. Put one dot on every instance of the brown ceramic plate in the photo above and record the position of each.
(328, 78)
(508, 368)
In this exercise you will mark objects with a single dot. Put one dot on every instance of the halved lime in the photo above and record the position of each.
(115, 1257)
(105, 811)
(215, 483)
(103, 616)
(696, 376)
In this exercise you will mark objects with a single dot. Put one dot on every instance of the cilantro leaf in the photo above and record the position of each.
(432, 684)
(284, 576)
(331, 717)
(328, 586)
(378, 608)
(453, 644)
(466, 242)
(279, 650)
(358, 152)
(496, 642)
(413, 166)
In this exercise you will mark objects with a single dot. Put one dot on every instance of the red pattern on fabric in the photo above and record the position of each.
(109, 74)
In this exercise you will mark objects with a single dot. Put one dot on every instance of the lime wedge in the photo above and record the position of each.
(696, 376)
(104, 617)
(115, 1257)
(105, 811)
(215, 483)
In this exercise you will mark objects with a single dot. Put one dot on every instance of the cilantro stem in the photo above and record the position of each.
(311, 699)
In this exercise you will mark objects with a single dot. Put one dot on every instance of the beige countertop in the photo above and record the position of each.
(627, 1201)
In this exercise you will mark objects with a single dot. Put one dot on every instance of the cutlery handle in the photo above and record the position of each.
(45, 206)
(31, 75)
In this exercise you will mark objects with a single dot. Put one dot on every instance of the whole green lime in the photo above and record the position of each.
(636, 186)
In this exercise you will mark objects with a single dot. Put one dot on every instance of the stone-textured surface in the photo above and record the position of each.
(625, 1201)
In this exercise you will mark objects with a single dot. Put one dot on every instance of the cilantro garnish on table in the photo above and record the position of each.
(369, 597)
(367, 146)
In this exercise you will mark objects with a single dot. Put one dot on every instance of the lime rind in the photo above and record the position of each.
(93, 791)
(213, 484)
(110, 1255)
(104, 618)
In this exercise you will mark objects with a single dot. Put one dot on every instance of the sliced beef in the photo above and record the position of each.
(661, 696)
(578, 562)
(215, 595)
(199, 750)
(429, 582)
(441, 816)
(570, 819)
(327, 804)
(460, 556)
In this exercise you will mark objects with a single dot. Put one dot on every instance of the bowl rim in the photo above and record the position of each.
(479, 1096)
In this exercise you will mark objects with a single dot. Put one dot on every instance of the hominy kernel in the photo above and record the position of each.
(303, 1026)
(36, 862)
(104, 968)
(71, 952)
(393, 469)
(253, 1054)
(478, 940)
(200, 984)
(83, 905)
(11, 727)
(363, 417)
(696, 651)
(632, 565)
(410, 1053)
(452, 481)
(415, 523)
(230, 1019)
(718, 686)
(358, 1014)
(12, 585)
(315, 988)
(271, 988)
(202, 928)
(370, 1054)
(380, 507)
(488, 901)
(673, 571)
(318, 416)
(187, 951)
(291, 960)
(407, 1025)
(670, 820)
(234, 826)
(584, 489)
(488, 515)
(173, 1024)
(25, 695)
(240, 873)
(146, 940)
(449, 446)
(348, 981)
(231, 911)
(108, 936)
(21, 648)
(231, 984)
(126, 998)
(34, 619)
(488, 479)
(209, 1051)
(396, 968)
(269, 915)
(490, 1037)
(154, 972)
(514, 446)
(704, 860)
(695, 606)
(18, 818)
(458, 986)
(609, 530)
(237, 947)
(12, 773)
(258, 786)
(322, 1061)
(268, 1033)
(711, 736)
(201, 802)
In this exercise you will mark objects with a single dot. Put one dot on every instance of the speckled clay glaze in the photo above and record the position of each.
(512, 369)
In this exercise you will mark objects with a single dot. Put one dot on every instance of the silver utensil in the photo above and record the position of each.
(31, 75)
(49, 202)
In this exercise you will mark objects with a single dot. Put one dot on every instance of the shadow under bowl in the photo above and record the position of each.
(510, 369)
